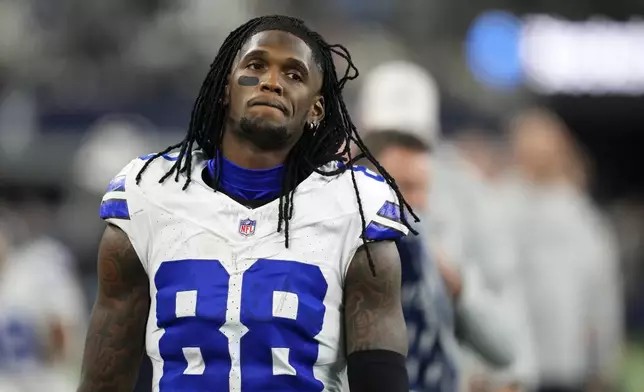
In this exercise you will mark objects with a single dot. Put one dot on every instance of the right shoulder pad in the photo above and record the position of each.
(115, 201)
(123, 206)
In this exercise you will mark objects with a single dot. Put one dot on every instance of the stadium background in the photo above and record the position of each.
(87, 85)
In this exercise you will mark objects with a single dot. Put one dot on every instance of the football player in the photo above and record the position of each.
(257, 257)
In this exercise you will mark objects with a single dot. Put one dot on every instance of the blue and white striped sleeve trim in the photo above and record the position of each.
(114, 203)
(386, 224)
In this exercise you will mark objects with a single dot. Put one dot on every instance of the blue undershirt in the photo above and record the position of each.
(248, 184)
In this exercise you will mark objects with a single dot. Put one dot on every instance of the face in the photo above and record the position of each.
(538, 148)
(273, 91)
(411, 170)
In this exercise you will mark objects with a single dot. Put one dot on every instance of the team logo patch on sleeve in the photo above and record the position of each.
(247, 227)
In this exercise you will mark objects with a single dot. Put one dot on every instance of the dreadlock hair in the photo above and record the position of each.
(330, 141)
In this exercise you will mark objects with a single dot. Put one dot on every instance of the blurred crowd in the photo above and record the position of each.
(507, 212)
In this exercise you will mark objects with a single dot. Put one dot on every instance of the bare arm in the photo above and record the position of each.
(116, 334)
(373, 309)
(376, 335)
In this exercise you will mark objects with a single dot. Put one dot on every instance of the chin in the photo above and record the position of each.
(263, 121)
(265, 133)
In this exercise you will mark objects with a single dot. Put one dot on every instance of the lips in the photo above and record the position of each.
(268, 102)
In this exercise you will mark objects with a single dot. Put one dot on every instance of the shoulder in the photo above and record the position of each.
(139, 178)
(159, 164)
(370, 186)
(153, 166)
(131, 196)
(114, 204)
(142, 174)
(121, 182)
(375, 199)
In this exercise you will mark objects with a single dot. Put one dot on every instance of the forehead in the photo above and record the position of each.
(279, 43)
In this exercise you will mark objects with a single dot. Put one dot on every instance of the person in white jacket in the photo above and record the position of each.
(475, 223)
(569, 265)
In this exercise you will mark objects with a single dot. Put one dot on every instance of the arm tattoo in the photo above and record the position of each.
(373, 309)
(116, 334)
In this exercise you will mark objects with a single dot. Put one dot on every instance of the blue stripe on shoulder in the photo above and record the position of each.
(390, 211)
(165, 156)
(369, 173)
(117, 184)
(115, 209)
(378, 232)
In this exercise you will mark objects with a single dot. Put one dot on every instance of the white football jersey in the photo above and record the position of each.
(232, 309)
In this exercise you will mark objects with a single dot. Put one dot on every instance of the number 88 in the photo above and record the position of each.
(248, 332)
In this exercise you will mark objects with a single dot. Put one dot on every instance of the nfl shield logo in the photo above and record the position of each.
(247, 227)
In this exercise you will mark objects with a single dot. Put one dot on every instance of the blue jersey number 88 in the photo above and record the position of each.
(278, 315)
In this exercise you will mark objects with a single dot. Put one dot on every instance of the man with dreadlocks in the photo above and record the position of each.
(257, 257)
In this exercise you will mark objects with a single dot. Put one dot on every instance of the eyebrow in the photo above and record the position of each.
(291, 61)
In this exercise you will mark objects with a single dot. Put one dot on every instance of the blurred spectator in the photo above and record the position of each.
(407, 158)
(470, 168)
(42, 315)
(568, 260)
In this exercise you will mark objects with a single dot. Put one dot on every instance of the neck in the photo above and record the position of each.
(247, 173)
(245, 154)
(247, 184)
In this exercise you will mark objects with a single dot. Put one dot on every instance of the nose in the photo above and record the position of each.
(270, 83)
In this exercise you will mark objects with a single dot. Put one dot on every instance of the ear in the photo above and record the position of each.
(316, 114)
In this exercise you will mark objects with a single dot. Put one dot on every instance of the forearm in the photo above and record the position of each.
(113, 349)
(377, 349)
(374, 323)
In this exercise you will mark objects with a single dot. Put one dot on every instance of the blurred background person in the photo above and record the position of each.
(473, 162)
(568, 259)
(42, 310)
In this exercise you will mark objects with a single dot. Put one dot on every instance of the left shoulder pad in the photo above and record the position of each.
(381, 207)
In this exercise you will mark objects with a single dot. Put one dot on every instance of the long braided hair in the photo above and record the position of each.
(330, 141)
